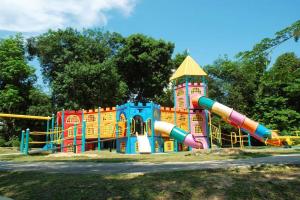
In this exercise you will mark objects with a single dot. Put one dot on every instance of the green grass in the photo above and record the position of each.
(266, 182)
(105, 156)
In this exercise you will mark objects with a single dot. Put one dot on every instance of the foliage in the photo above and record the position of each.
(13, 142)
(278, 95)
(2, 142)
(56, 49)
(167, 97)
(265, 47)
(17, 90)
(80, 66)
(145, 65)
(84, 85)
(16, 76)
(40, 103)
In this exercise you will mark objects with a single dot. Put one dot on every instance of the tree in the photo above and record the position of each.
(39, 103)
(17, 91)
(79, 67)
(16, 76)
(278, 95)
(232, 83)
(84, 85)
(264, 48)
(56, 49)
(145, 65)
(167, 96)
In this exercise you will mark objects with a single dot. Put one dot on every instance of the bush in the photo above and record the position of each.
(13, 142)
(16, 143)
(2, 142)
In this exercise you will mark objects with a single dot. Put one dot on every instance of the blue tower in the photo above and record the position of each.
(139, 120)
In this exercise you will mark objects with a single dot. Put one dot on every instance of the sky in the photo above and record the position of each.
(208, 29)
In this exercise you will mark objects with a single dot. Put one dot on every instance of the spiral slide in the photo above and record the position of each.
(236, 119)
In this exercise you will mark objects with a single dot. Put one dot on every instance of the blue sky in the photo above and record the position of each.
(207, 28)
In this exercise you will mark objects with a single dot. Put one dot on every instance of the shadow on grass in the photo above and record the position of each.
(257, 183)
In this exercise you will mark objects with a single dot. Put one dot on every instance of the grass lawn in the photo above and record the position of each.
(105, 156)
(266, 182)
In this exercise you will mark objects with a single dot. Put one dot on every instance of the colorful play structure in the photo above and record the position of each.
(137, 127)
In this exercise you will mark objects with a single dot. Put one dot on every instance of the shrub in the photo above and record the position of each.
(13, 142)
(2, 142)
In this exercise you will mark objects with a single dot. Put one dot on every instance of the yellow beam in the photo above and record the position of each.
(3, 115)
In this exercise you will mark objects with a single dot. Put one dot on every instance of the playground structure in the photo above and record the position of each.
(137, 127)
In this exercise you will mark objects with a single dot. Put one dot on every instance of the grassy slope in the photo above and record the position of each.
(268, 182)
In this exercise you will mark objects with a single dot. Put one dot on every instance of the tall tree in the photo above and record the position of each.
(146, 65)
(17, 91)
(78, 66)
(84, 85)
(16, 76)
(279, 93)
(167, 98)
(56, 49)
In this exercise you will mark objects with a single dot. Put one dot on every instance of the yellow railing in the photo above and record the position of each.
(4, 115)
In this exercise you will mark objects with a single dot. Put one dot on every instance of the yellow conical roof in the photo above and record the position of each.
(189, 67)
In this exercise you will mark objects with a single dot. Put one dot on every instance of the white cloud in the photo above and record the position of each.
(40, 15)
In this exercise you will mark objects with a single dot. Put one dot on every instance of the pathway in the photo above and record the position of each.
(142, 167)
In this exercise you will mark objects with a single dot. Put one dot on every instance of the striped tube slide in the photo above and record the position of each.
(235, 118)
(177, 133)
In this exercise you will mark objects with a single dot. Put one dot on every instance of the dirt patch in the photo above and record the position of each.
(228, 151)
(70, 154)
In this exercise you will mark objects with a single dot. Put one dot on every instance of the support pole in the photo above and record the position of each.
(175, 117)
(207, 126)
(241, 139)
(83, 136)
(52, 134)
(82, 120)
(74, 138)
(128, 144)
(27, 142)
(63, 130)
(231, 140)
(99, 129)
(188, 104)
(47, 135)
(152, 128)
(22, 141)
(249, 140)
(211, 135)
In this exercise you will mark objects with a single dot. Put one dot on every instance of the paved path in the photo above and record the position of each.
(141, 167)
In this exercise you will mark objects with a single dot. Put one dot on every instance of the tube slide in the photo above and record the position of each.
(255, 129)
(177, 133)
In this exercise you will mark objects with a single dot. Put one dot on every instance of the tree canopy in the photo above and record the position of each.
(145, 65)
(18, 93)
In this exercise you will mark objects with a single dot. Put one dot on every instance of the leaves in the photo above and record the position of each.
(17, 91)
(145, 65)
(84, 85)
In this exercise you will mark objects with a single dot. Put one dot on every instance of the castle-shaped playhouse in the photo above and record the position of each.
(130, 127)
